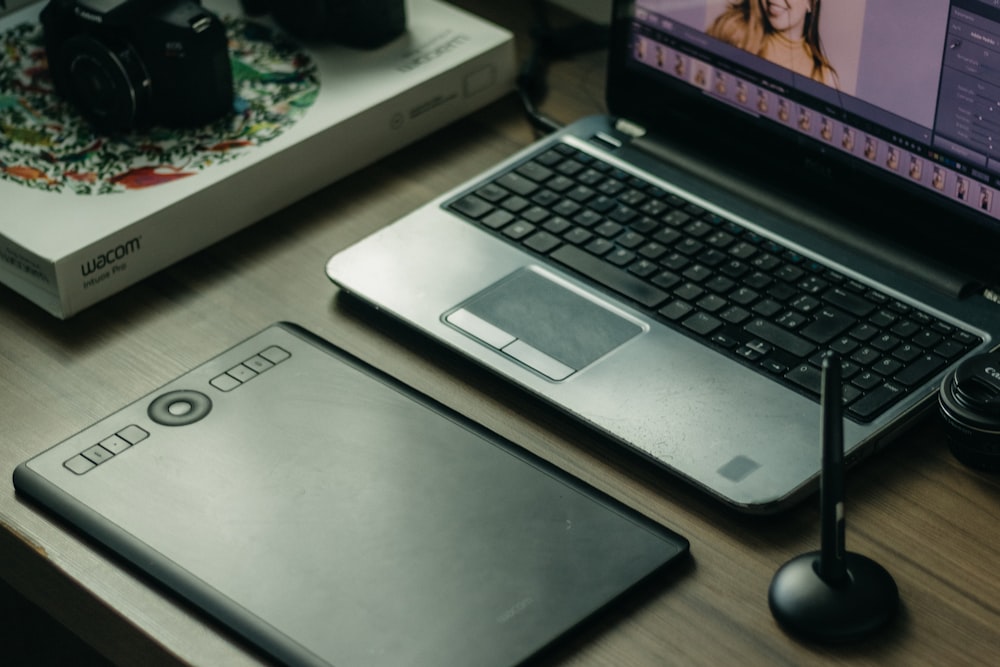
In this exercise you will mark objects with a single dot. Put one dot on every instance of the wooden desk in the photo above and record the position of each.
(928, 520)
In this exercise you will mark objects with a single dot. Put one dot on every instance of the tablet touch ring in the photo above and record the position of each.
(180, 408)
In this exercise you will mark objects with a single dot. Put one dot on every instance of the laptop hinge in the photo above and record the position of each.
(633, 130)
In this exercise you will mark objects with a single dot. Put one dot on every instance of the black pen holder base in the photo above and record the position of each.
(809, 608)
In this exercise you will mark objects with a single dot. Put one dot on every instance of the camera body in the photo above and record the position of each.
(364, 24)
(128, 64)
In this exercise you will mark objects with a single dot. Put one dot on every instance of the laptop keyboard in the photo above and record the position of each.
(747, 296)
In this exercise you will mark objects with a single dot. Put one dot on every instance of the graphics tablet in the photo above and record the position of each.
(331, 515)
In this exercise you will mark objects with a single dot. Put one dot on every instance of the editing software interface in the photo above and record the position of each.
(910, 86)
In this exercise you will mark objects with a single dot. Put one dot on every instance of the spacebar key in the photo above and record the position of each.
(609, 276)
(780, 337)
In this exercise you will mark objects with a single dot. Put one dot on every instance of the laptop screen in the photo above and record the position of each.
(904, 91)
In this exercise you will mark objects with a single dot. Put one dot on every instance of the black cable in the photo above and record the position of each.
(549, 44)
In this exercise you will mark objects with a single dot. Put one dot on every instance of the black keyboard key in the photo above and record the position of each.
(517, 184)
(866, 380)
(702, 323)
(601, 204)
(735, 315)
(966, 338)
(829, 324)
(920, 370)
(518, 229)
(515, 203)
(550, 157)
(600, 247)
(607, 229)
(806, 376)
(869, 405)
(643, 268)
(744, 296)
(545, 197)
(927, 339)
(591, 177)
(587, 218)
(781, 291)
(492, 192)
(560, 183)
(666, 279)
(949, 349)
(535, 171)
(864, 332)
(846, 300)
(887, 366)
(610, 187)
(883, 318)
(885, 342)
(498, 219)
(675, 310)
(866, 356)
(905, 328)
(772, 366)
(844, 345)
(757, 280)
(907, 352)
(570, 168)
(766, 262)
(472, 206)
(609, 276)
(535, 214)
(805, 304)
(689, 291)
(712, 303)
(580, 194)
(620, 257)
(542, 242)
(789, 273)
(767, 308)
(578, 236)
(775, 335)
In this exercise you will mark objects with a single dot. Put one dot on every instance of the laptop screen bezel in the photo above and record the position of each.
(681, 113)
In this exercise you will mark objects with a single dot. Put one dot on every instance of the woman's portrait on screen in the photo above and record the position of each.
(786, 32)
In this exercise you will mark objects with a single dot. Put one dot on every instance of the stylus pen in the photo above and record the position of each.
(832, 564)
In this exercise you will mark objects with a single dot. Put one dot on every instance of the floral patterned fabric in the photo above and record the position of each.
(45, 144)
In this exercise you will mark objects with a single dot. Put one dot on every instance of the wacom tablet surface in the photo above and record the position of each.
(331, 515)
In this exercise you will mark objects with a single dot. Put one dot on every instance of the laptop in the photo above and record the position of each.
(774, 181)
(332, 516)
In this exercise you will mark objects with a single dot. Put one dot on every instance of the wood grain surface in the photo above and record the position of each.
(931, 522)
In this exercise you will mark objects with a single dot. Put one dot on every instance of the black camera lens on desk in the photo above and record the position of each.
(133, 63)
(969, 402)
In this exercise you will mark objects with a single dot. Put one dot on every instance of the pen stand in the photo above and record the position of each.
(806, 606)
(832, 595)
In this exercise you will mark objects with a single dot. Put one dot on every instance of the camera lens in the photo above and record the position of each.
(110, 87)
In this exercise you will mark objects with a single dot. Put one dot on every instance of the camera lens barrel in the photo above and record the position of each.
(969, 403)
(108, 83)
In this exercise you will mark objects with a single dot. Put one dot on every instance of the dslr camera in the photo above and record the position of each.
(364, 24)
(128, 64)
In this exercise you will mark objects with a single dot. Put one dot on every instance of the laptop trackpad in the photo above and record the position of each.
(542, 324)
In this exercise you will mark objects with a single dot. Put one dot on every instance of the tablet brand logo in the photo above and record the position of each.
(115, 254)
(516, 610)
(430, 54)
